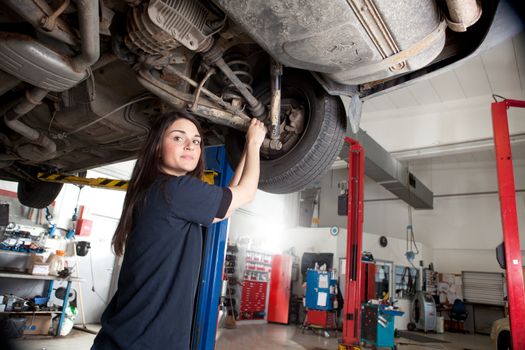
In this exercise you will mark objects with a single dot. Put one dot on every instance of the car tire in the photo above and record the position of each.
(37, 194)
(317, 147)
(504, 340)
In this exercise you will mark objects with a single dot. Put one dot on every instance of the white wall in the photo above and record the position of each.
(8, 185)
(469, 227)
(462, 230)
(395, 251)
(440, 124)
(264, 220)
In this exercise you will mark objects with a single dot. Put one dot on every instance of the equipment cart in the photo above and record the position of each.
(377, 326)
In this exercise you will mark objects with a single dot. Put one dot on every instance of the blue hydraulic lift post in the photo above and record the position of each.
(210, 284)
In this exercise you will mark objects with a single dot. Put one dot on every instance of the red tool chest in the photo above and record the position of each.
(321, 318)
(253, 300)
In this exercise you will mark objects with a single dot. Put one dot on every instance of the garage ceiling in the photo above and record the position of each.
(432, 118)
(499, 70)
(497, 67)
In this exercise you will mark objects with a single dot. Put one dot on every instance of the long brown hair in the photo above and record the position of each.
(146, 170)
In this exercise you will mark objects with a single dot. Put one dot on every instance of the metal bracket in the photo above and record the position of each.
(355, 111)
(49, 23)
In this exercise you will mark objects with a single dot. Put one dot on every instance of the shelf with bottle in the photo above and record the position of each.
(430, 281)
(30, 312)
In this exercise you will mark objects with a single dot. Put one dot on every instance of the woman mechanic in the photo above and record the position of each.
(160, 236)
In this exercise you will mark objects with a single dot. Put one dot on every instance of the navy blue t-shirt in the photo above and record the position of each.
(153, 306)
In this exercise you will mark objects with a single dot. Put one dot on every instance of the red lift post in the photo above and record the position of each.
(352, 306)
(509, 220)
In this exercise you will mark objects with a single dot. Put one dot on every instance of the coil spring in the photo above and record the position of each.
(242, 70)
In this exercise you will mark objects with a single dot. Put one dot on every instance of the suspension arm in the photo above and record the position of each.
(205, 108)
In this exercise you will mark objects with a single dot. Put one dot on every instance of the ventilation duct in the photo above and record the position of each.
(387, 171)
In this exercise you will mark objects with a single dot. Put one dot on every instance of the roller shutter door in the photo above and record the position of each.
(483, 287)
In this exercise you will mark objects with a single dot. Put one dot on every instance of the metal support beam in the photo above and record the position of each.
(352, 306)
(387, 171)
(509, 220)
(215, 238)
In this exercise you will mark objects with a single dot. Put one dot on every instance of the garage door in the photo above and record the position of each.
(483, 287)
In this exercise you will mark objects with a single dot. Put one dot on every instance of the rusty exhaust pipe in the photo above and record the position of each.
(463, 14)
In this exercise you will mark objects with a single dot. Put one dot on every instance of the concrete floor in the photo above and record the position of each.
(272, 336)
(269, 336)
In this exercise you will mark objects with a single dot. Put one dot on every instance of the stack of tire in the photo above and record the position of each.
(229, 299)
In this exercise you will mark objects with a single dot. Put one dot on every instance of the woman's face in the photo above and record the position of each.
(181, 148)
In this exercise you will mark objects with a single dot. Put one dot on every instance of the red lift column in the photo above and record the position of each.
(352, 306)
(509, 220)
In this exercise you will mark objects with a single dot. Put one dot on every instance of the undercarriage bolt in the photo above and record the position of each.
(272, 144)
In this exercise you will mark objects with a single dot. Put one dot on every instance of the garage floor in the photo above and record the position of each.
(270, 336)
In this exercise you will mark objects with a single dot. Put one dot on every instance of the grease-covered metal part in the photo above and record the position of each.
(340, 38)
(163, 25)
(276, 71)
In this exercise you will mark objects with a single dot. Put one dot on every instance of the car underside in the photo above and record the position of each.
(81, 81)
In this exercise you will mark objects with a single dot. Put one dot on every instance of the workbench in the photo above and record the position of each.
(51, 280)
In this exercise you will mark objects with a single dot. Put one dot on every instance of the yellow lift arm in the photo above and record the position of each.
(83, 181)
(101, 182)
